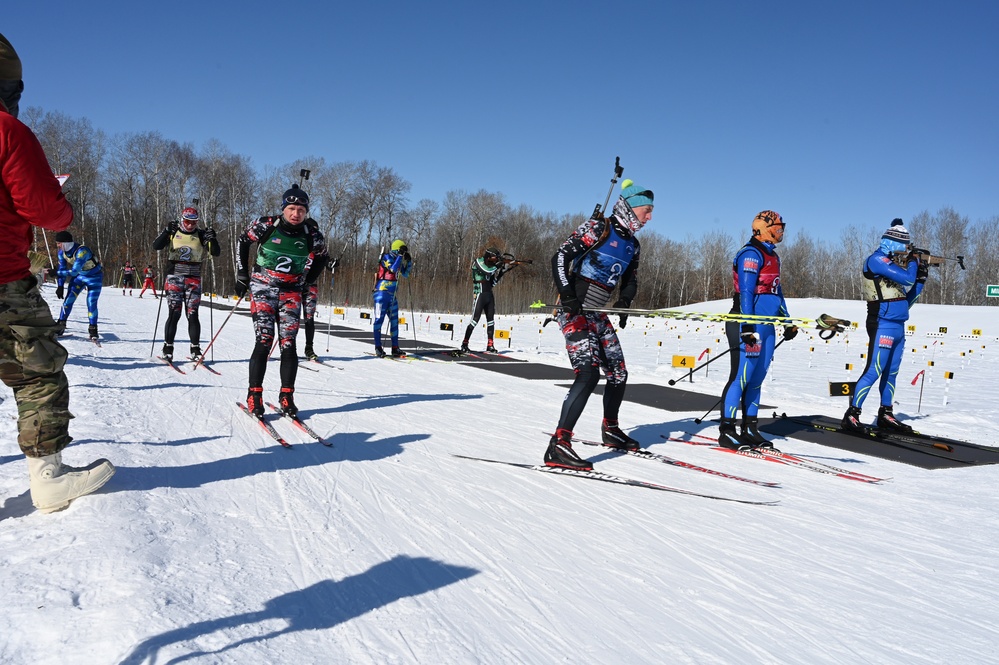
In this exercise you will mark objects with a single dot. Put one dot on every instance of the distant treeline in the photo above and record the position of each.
(126, 187)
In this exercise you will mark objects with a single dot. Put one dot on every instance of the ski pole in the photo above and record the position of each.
(704, 364)
(713, 407)
(159, 308)
(412, 311)
(48, 251)
(231, 312)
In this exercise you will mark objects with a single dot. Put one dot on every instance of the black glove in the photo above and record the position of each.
(622, 303)
(748, 335)
(242, 284)
(60, 293)
(209, 234)
(790, 332)
(332, 264)
(406, 256)
(922, 272)
(571, 306)
(173, 226)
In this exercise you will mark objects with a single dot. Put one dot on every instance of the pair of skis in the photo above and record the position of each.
(780, 457)
(610, 478)
(272, 431)
(176, 367)
(633, 482)
(936, 446)
(309, 362)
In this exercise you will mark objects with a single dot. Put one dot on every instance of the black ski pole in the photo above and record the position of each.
(705, 364)
(231, 312)
(713, 407)
(152, 348)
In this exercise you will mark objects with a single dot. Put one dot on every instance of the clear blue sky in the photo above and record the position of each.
(830, 113)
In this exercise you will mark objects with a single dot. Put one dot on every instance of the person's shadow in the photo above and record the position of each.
(322, 605)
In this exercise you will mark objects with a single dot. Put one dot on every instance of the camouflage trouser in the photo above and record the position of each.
(273, 307)
(591, 341)
(31, 362)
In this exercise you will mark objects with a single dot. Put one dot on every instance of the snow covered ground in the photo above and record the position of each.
(212, 544)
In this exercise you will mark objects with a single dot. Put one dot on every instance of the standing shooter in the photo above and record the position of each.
(894, 278)
(487, 271)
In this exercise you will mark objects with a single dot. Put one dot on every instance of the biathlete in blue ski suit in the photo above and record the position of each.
(890, 290)
(78, 268)
(601, 256)
(758, 291)
(393, 265)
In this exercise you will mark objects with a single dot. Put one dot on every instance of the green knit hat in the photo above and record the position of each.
(10, 64)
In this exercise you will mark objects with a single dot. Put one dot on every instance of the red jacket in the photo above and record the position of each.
(29, 196)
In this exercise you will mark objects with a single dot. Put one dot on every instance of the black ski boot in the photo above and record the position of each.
(464, 346)
(750, 433)
(287, 402)
(380, 352)
(729, 438)
(851, 420)
(255, 401)
(310, 353)
(612, 436)
(490, 348)
(888, 422)
(61, 327)
(397, 352)
(92, 330)
(167, 352)
(195, 352)
(560, 453)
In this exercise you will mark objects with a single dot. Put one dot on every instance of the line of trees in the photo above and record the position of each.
(125, 188)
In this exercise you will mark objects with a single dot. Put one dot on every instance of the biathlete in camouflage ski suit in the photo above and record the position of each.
(78, 268)
(393, 265)
(31, 358)
(758, 291)
(189, 247)
(487, 271)
(893, 280)
(600, 257)
(279, 277)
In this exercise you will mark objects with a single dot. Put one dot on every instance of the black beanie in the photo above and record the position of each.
(64, 236)
(295, 196)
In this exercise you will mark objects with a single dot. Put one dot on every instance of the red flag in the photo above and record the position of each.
(916, 378)
(703, 353)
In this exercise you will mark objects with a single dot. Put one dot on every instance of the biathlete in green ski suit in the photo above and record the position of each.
(279, 278)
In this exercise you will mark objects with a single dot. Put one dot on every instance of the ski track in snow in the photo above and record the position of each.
(213, 544)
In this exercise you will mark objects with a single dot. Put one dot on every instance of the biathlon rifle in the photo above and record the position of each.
(511, 260)
(930, 259)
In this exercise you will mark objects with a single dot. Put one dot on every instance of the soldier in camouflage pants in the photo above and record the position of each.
(31, 362)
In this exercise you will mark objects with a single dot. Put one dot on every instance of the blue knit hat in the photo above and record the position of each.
(636, 196)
